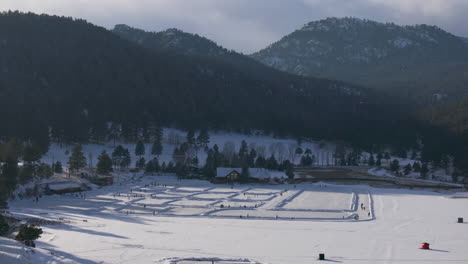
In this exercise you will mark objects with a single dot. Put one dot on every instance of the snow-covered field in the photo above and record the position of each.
(165, 220)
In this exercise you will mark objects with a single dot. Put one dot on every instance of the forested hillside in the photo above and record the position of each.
(69, 78)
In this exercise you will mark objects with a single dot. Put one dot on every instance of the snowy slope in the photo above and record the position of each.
(97, 228)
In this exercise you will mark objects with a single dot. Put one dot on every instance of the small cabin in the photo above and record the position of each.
(231, 174)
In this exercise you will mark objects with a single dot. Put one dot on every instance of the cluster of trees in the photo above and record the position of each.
(245, 158)
(11, 152)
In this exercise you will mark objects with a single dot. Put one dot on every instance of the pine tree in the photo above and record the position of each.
(28, 233)
(371, 160)
(260, 162)
(194, 161)
(149, 168)
(299, 151)
(77, 159)
(395, 165)
(3, 226)
(243, 149)
(190, 137)
(407, 169)
(140, 148)
(416, 167)
(378, 163)
(251, 158)
(44, 171)
(203, 138)
(140, 164)
(31, 153)
(117, 155)
(126, 160)
(58, 167)
(244, 173)
(387, 155)
(104, 164)
(157, 148)
(424, 170)
(157, 167)
(271, 163)
(308, 151)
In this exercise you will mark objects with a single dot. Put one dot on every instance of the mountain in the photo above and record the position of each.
(69, 79)
(172, 39)
(194, 46)
(407, 61)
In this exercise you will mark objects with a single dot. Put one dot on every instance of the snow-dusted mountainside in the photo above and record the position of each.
(171, 39)
(408, 60)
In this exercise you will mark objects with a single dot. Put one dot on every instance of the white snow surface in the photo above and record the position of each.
(189, 226)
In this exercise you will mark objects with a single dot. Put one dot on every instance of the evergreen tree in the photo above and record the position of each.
(271, 163)
(3, 226)
(44, 171)
(379, 156)
(157, 167)
(378, 163)
(149, 168)
(77, 159)
(371, 160)
(288, 169)
(8, 178)
(387, 155)
(140, 164)
(58, 167)
(194, 161)
(117, 155)
(209, 169)
(140, 148)
(157, 148)
(407, 169)
(299, 151)
(260, 162)
(104, 164)
(31, 153)
(28, 233)
(308, 151)
(306, 161)
(126, 160)
(181, 170)
(170, 167)
(243, 149)
(244, 173)
(203, 138)
(416, 167)
(163, 167)
(251, 158)
(190, 137)
(395, 165)
(424, 170)
(26, 173)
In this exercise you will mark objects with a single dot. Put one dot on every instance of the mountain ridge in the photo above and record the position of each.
(403, 60)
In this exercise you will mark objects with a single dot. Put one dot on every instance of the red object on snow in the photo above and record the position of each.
(425, 245)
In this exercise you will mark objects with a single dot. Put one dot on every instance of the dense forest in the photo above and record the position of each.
(66, 80)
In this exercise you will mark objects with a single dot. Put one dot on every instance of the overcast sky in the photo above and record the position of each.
(248, 25)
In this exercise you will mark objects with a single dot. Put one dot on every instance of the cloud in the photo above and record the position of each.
(248, 25)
